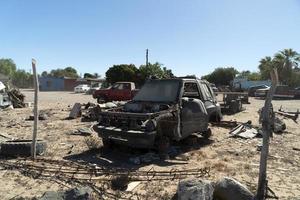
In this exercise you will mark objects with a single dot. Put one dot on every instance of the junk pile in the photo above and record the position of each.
(288, 114)
(16, 97)
(90, 111)
(12, 98)
(247, 131)
(244, 130)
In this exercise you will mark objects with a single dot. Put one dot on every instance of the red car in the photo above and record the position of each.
(119, 91)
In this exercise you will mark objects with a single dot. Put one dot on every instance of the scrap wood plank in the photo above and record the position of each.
(76, 111)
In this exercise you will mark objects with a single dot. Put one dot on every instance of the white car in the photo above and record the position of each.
(81, 88)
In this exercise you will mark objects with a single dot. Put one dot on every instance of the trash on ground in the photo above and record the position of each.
(82, 193)
(16, 97)
(82, 131)
(244, 131)
(279, 126)
(21, 147)
(132, 185)
(76, 111)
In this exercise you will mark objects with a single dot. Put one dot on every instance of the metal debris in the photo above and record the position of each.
(244, 131)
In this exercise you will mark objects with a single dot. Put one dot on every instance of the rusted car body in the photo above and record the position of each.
(168, 108)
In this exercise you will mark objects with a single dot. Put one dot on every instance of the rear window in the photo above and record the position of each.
(158, 91)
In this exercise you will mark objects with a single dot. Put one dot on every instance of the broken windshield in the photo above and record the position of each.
(158, 91)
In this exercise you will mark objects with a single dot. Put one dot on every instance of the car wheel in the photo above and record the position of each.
(207, 134)
(101, 100)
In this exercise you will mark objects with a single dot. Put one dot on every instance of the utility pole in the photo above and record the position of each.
(147, 57)
(35, 110)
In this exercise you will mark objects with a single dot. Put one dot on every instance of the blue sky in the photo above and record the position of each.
(190, 37)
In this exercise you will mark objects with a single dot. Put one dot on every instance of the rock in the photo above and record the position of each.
(279, 125)
(82, 193)
(51, 195)
(230, 189)
(76, 111)
(190, 189)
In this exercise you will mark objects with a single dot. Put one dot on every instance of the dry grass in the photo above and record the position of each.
(93, 142)
(221, 166)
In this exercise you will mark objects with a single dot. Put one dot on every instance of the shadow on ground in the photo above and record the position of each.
(121, 156)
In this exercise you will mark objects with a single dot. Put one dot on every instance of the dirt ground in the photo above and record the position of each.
(226, 156)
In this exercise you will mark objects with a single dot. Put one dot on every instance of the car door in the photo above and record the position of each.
(114, 94)
(126, 92)
(194, 117)
(208, 98)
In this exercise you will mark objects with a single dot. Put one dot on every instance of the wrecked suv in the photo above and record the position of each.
(163, 109)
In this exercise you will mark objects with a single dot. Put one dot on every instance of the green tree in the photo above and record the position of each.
(153, 70)
(22, 79)
(286, 62)
(88, 75)
(7, 67)
(66, 72)
(251, 76)
(265, 66)
(221, 76)
(44, 74)
(123, 72)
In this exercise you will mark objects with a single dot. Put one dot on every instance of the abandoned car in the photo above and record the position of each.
(164, 109)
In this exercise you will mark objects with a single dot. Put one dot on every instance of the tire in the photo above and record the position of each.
(101, 99)
(22, 147)
(207, 134)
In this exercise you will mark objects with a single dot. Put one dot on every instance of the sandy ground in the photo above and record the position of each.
(225, 156)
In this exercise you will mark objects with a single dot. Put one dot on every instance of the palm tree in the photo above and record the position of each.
(265, 67)
(286, 61)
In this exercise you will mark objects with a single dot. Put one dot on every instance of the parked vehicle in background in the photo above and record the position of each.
(94, 87)
(214, 88)
(163, 110)
(261, 92)
(282, 91)
(252, 90)
(119, 91)
(81, 88)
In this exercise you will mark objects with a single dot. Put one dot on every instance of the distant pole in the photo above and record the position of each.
(35, 110)
(147, 57)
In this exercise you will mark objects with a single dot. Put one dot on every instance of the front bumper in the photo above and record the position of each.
(132, 138)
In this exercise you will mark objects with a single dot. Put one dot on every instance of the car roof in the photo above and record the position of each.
(181, 79)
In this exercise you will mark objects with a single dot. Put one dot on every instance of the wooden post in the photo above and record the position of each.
(35, 110)
(267, 131)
